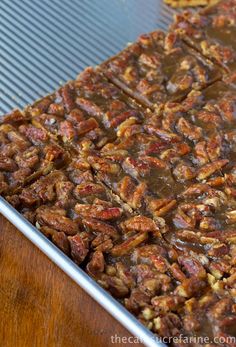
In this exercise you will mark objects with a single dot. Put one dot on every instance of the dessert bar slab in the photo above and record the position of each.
(26, 153)
(212, 32)
(88, 109)
(160, 67)
(130, 171)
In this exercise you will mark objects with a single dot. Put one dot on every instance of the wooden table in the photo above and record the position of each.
(41, 306)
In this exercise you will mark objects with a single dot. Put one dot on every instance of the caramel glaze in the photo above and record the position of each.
(133, 175)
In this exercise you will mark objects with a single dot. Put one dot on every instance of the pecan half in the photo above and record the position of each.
(128, 245)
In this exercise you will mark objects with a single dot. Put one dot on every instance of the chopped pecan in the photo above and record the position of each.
(56, 109)
(7, 164)
(86, 126)
(187, 236)
(137, 300)
(209, 116)
(102, 243)
(156, 147)
(121, 117)
(96, 264)
(189, 130)
(183, 220)
(190, 287)
(135, 167)
(67, 131)
(150, 286)
(177, 273)
(76, 116)
(140, 224)
(209, 169)
(128, 128)
(218, 250)
(154, 162)
(219, 268)
(90, 107)
(63, 192)
(79, 248)
(184, 172)
(163, 134)
(128, 245)
(15, 116)
(220, 308)
(98, 211)
(34, 134)
(192, 266)
(68, 95)
(28, 159)
(214, 147)
(144, 253)
(125, 274)
(100, 227)
(40, 106)
(57, 221)
(231, 281)
(200, 152)
(88, 188)
(60, 239)
(103, 165)
(159, 262)
(196, 189)
(79, 177)
(14, 200)
(132, 193)
(167, 326)
(231, 216)
(54, 152)
(208, 223)
(115, 286)
(167, 303)
(160, 207)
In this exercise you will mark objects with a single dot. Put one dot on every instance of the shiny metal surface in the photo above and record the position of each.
(45, 43)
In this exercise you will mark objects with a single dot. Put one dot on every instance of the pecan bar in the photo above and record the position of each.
(212, 32)
(151, 167)
(132, 167)
(124, 253)
(73, 209)
(142, 198)
(206, 208)
(26, 153)
(85, 112)
(211, 113)
(158, 68)
(170, 291)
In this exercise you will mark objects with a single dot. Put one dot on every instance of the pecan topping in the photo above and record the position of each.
(57, 221)
(210, 169)
(79, 248)
(140, 224)
(98, 211)
(128, 245)
(130, 171)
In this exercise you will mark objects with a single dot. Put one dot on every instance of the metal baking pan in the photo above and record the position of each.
(45, 43)
(79, 276)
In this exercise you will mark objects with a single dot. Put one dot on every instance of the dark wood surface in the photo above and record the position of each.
(41, 306)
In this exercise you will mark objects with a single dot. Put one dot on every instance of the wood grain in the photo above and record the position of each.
(41, 306)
